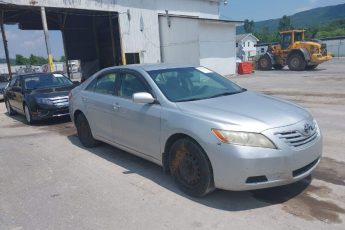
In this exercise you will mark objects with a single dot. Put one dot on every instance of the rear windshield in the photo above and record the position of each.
(46, 81)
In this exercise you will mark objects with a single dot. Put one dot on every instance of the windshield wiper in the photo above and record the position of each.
(224, 94)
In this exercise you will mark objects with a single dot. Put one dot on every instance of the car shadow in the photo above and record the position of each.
(220, 199)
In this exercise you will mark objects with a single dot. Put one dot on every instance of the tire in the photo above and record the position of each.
(28, 115)
(84, 132)
(9, 109)
(278, 66)
(265, 63)
(296, 62)
(190, 168)
(311, 67)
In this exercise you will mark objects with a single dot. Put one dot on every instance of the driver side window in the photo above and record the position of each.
(130, 85)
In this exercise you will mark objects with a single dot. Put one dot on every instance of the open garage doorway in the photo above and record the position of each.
(93, 37)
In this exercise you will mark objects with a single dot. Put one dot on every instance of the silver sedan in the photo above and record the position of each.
(207, 131)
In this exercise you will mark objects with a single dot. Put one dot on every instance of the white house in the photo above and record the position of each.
(103, 33)
(246, 46)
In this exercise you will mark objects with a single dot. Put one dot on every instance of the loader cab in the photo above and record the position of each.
(288, 38)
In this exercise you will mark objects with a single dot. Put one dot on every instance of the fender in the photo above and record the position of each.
(303, 51)
(271, 56)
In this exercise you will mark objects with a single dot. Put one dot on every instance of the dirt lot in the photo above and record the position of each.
(48, 181)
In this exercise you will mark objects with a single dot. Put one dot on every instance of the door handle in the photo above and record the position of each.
(116, 106)
(84, 99)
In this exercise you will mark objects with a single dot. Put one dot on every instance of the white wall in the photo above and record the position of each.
(180, 42)
(336, 47)
(217, 46)
(199, 42)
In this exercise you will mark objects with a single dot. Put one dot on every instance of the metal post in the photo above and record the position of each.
(46, 37)
(4, 41)
(62, 27)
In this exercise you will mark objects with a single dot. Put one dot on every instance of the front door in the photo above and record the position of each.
(98, 100)
(137, 126)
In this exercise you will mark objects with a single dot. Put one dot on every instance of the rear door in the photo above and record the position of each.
(17, 95)
(137, 126)
(98, 99)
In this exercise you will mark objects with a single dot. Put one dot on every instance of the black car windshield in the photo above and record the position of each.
(46, 81)
(190, 84)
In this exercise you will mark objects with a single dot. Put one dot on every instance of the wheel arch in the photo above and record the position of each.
(301, 51)
(171, 140)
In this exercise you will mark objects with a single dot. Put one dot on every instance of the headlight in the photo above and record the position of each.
(45, 101)
(243, 138)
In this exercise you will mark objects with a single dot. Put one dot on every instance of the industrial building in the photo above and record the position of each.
(103, 33)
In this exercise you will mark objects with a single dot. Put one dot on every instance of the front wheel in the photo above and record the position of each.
(296, 62)
(191, 168)
(28, 115)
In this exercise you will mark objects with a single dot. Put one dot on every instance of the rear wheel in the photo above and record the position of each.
(84, 132)
(310, 67)
(278, 66)
(191, 168)
(28, 115)
(296, 62)
(9, 109)
(265, 63)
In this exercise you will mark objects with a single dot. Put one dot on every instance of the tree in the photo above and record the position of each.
(62, 58)
(248, 26)
(285, 23)
(21, 60)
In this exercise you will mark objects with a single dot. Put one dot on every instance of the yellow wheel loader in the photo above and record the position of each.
(294, 52)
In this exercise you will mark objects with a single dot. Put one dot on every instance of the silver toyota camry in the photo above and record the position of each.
(207, 131)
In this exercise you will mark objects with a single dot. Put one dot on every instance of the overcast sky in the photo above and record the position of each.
(27, 42)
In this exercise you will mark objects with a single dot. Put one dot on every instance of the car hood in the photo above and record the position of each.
(246, 111)
(51, 92)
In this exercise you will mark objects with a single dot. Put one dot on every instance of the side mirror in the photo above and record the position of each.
(143, 98)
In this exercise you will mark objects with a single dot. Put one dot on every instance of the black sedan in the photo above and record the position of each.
(38, 96)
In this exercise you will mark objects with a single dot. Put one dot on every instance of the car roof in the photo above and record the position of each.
(151, 67)
(26, 75)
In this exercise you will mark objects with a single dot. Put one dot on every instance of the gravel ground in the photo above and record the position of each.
(48, 181)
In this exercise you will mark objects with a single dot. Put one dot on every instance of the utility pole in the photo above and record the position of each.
(46, 37)
(4, 41)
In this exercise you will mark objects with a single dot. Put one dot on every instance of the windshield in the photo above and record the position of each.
(190, 84)
(46, 81)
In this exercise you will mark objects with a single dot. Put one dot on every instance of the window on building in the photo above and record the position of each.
(132, 58)
(236, 44)
(262, 50)
(248, 44)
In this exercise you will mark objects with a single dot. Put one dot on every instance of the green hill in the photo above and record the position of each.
(310, 18)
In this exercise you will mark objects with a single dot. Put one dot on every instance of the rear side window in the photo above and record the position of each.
(104, 84)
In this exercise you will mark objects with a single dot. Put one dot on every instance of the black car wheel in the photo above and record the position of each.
(28, 115)
(9, 109)
(191, 168)
(84, 132)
